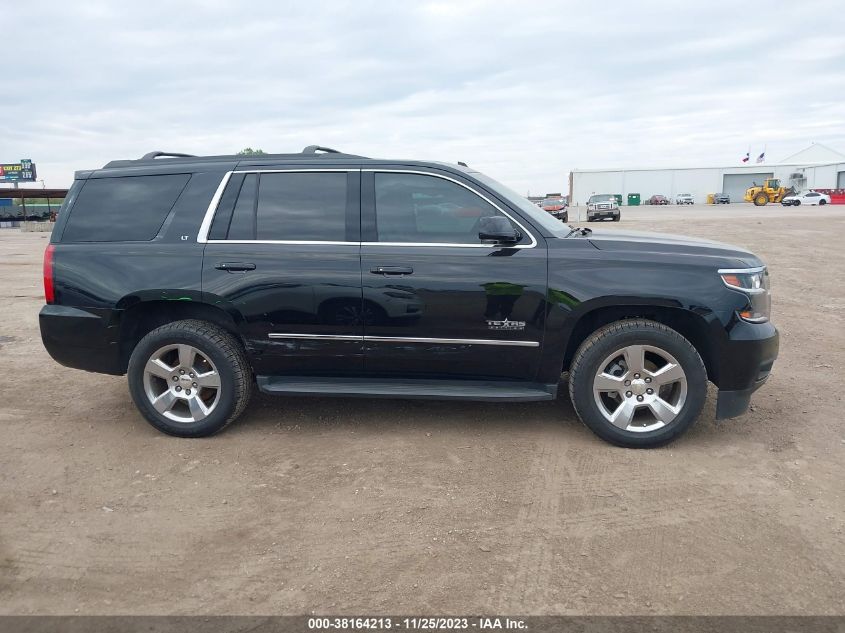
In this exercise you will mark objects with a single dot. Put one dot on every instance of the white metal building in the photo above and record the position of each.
(816, 166)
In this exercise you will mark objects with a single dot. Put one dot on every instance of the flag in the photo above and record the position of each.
(747, 156)
(761, 157)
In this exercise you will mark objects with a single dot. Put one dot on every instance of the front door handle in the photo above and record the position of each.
(392, 270)
(235, 267)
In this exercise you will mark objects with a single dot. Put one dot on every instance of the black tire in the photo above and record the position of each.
(797, 203)
(822, 202)
(615, 336)
(617, 217)
(229, 359)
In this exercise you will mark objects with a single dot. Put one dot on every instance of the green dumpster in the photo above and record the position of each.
(618, 197)
(633, 199)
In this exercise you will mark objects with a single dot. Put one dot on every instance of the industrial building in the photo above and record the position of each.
(815, 167)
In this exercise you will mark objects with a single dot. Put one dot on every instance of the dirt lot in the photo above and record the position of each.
(355, 506)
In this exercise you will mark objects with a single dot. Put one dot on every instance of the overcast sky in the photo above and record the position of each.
(524, 91)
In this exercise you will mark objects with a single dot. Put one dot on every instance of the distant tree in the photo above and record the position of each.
(248, 151)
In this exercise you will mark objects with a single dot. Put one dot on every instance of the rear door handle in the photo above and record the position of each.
(392, 270)
(235, 267)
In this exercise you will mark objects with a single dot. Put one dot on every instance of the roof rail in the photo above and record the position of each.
(313, 149)
(152, 155)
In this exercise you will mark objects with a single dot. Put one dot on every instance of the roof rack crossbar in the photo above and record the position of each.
(152, 155)
(313, 149)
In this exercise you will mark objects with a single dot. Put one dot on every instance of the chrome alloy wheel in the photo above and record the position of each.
(181, 383)
(640, 388)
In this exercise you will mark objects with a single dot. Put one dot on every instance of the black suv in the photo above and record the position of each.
(330, 274)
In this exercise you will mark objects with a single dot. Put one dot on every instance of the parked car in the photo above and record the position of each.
(658, 199)
(556, 207)
(806, 197)
(721, 198)
(603, 206)
(684, 198)
(204, 278)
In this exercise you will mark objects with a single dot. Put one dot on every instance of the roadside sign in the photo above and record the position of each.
(22, 171)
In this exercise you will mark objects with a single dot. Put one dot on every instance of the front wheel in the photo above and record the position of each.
(189, 378)
(761, 199)
(637, 383)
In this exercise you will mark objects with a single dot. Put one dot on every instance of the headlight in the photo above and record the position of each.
(754, 283)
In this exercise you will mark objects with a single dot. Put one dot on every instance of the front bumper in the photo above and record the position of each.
(602, 213)
(744, 366)
(82, 339)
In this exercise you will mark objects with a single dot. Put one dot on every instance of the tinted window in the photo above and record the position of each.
(302, 206)
(131, 208)
(242, 226)
(223, 216)
(416, 208)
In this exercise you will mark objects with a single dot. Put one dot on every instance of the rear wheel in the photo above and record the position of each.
(189, 378)
(821, 202)
(637, 383)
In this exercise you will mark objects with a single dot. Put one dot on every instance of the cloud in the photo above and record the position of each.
(524, 91)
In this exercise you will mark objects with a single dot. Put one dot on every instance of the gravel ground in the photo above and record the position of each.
(368, 507)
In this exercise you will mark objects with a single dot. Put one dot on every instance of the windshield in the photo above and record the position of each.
(539, 217)
(552, 202)
(603, 197)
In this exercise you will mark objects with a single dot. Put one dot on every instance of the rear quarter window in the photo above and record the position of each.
(123, 209)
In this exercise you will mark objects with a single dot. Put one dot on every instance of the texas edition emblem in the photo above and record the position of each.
(505, 325)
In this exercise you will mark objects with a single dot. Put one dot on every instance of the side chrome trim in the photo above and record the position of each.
(402, 339)
(318, 337)
(303, 170)
(283, 242)
(202, 234)
(468, 188)
(450, 341)
(756, 269)
(441, 244)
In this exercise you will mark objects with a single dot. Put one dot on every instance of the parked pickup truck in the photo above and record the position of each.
(327, 274)
(603, 206)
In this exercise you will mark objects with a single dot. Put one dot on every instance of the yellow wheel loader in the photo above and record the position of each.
(771, 191)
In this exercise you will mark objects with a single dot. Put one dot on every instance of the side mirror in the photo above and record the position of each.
(497, 229)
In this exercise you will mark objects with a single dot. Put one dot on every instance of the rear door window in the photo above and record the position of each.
(123, 209)
(285, 206)
(243, 217)
(302, 207)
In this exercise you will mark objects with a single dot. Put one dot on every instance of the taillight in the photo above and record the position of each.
(49, 291)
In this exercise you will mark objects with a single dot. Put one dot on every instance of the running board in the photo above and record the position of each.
(484, 391)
